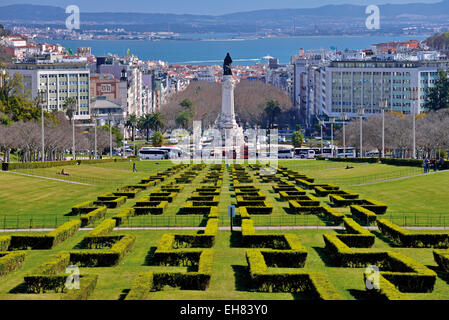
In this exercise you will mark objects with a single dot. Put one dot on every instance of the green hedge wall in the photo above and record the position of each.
(10, 261)
(50, 164)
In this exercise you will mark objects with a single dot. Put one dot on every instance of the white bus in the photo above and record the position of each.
(304, 153)
(350, 152)
(147, 153)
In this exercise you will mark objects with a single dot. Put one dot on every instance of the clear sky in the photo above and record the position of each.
(212, 7)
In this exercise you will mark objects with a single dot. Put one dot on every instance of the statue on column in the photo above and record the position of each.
(227, 65)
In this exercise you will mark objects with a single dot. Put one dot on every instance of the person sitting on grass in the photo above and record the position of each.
(64, 173)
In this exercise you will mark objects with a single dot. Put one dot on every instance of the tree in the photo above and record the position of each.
(158, 139)
(70, 107)
(183, 119)
(131, 123)
(272, 110)
(157, 122)
(437, 97)
(186, 104)
(145, 123)
(297, 139)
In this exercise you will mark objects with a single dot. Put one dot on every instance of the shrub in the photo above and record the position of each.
(123, 216)
(211, 227)
(364, 215)
(80, 208)
(408, 239)
(4, 243)
(441, 257)
(45, 241)
(162, 196)
(332, 215)
(94, 215)
(65, 231)
(104, 258)
(10, 261)
(112, 202)
(141, 287)
(87, 287)
(150, 207)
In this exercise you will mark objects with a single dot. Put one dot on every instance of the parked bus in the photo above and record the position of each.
(350, 152)
(304, 153)
(146, 153)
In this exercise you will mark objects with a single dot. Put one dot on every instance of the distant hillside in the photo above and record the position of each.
(438, 41)
(250, 100)
(348, 15)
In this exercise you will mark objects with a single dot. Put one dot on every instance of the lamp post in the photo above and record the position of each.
(383, 107)
(414, 102)
(361, 112)
(321, 127)
(344, 117)
(332, 121)
(110, 134)
(95, 115)
(41, 97)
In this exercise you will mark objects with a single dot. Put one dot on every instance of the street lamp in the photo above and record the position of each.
(95, 115)
(383, 107)
(110, 134)
(361, 112)
(344, 117)
(332, 121)
(41, 97)
(321, 127)
(414, 101)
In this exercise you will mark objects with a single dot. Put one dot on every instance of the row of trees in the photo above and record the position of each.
(147, 123)
(432, 133)
(25, 138)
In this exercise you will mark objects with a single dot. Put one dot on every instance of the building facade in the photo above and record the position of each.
(59, 79)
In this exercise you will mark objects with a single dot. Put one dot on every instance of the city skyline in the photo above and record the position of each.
(202, 7)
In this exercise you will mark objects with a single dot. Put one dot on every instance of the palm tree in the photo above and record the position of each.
(158, 123)
(131, 123)
(182, 120)
(272, 110)
(70, 107)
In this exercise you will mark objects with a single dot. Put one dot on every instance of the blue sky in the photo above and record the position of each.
(213, 7)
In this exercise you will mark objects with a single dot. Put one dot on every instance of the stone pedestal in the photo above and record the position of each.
(226, 122)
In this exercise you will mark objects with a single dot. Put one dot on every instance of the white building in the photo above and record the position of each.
(59, 79)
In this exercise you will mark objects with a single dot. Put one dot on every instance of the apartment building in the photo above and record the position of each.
(59, 79)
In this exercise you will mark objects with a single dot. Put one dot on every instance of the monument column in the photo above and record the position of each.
(227, 104)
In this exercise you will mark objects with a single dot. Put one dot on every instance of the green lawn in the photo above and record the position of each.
(230, 277)
(33, 196)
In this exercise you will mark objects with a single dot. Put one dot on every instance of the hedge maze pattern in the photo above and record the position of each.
(266, 253)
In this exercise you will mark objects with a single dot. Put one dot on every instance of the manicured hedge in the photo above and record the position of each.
(332, 215)
(94, 215)
(50, 164)
(441, 257)
(110, 201)
(141, 287)
(104, 258)
(150, 207)
(87, 287)
(390, 161)
(10, 261)
(386, 290)
(82, 207)
(123, 216)
(65, 231)
(45, 241)
(204, 210)
(103, 229)
(364, 215)
(162, 196)
(4, 243)
(410, 239)
(127, 192)
(313, 284)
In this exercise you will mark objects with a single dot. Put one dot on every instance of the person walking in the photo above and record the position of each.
(434, 164)
(134, 167)
(426, 164)
(441, 164)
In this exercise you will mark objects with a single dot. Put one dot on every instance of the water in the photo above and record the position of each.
(212, 51)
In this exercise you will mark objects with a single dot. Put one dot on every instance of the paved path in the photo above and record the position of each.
(47, 178)
(225, 228)
(398, 178)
